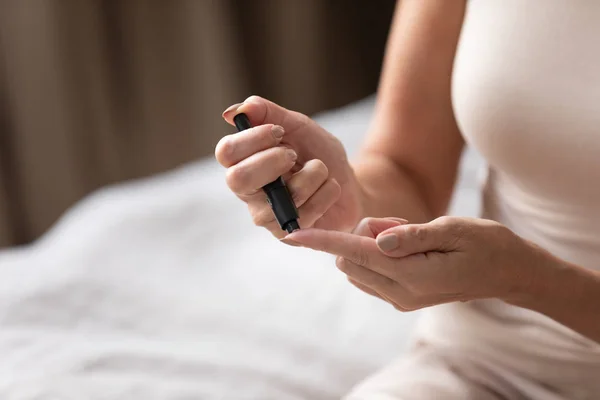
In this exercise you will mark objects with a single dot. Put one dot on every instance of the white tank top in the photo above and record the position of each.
(526, 94)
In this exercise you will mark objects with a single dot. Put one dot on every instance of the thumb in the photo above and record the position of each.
(401, 241)
(261, 111)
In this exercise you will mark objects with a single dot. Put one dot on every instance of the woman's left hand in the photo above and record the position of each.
(419, 265)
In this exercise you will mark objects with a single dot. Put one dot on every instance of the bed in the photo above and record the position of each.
(163, 289)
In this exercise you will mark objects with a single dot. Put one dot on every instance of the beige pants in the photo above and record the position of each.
(430, 373)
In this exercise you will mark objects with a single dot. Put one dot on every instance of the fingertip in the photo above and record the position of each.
(301, 236)
(380, 225)
(224, 150)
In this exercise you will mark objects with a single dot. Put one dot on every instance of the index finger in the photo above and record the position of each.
(357, 249)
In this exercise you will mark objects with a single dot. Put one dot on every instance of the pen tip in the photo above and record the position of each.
(292, 226)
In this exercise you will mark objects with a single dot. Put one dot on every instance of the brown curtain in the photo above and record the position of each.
(94, 92)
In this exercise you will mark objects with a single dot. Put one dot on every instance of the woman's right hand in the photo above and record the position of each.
(311, 160)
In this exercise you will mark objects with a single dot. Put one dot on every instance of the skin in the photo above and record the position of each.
(431, 260)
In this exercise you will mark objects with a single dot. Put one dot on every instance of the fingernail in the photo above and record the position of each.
(230, 109)
(387, 242)
(277, 131)
(291, 154)
(290, 242)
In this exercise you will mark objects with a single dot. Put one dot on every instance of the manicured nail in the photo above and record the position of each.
(387, 242)
(290, 242)
(291, 154)
(230, 109)
(277, 131)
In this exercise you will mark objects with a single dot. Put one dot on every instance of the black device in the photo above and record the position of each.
(278, 195)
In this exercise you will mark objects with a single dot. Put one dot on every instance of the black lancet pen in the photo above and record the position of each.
(278, 196)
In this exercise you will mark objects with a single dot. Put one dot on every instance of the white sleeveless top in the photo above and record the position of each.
(526, 94)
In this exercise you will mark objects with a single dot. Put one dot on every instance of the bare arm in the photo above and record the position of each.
(565, 292)
(409, 161)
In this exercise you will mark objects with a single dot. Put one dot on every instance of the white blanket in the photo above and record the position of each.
(163, 289)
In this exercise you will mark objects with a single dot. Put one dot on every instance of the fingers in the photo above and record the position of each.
(312, 192)
(367, 280)
(232, 149)
(439, 235)
(371, 227)
(318, 204)
(359, 250)
(252, 173)
(304, 183)
(310, 212)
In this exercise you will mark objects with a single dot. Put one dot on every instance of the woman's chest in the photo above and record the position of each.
(526, 93)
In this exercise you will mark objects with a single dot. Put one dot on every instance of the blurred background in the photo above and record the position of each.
(96, 92)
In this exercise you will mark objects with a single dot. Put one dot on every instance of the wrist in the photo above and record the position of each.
(541, 278)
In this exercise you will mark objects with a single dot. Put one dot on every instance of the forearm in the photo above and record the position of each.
(387, 190)
(567, 293)
(409, 160)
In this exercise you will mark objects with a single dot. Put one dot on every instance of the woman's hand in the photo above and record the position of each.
(312, 161)
(415, 266)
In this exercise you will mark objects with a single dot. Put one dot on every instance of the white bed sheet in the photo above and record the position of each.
(163, 289)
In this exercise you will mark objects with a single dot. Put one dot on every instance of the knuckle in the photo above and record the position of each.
(260, 219)
(417, 232)
(257, 220)
(455, 225)
(302, 118)
(445, 220)
(320, 169)
(225, 150)
(501, 233)
(235, 178)
(459, 231)
(260, 212)
(342, 264)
